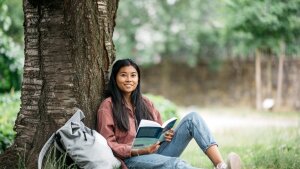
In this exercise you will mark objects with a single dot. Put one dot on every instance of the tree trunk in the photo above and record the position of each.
(269, 75)
(296, 87)
(280, 75)
(258, 79)
(68, 50)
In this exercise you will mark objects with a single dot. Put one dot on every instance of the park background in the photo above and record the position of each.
(222, 59)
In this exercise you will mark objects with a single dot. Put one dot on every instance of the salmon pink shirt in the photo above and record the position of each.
(119, 141)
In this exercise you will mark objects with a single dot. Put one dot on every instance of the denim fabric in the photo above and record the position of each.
(167, 156)
(156, 161)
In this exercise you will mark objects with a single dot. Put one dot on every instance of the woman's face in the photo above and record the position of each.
(127, 79)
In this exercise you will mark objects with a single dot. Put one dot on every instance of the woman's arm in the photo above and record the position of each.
(106, 127)
(148, 150)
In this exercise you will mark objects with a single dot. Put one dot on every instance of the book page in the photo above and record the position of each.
(149, 123)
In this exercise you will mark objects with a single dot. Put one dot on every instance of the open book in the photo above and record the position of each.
(149, 132)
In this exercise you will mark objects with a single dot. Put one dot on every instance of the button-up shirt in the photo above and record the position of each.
(120, 141)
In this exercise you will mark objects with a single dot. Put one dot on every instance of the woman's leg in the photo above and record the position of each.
(192, 126)
(156, 161)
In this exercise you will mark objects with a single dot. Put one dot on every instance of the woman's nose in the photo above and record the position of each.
(128, 78)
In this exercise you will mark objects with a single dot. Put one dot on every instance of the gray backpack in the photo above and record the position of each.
(86, 147)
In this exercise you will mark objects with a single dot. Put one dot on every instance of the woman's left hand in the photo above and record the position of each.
(169, 135)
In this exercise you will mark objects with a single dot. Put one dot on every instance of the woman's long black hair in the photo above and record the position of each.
(120, 113)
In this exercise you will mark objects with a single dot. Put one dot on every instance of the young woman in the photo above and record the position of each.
(121, 112)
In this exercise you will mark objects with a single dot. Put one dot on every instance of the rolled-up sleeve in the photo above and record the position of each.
(106, 128)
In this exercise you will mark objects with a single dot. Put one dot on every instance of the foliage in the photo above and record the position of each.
(11, 54)
(187, 31)
(182, 30)
(12, 19)
(9, 107)
(166, 108)
(262, 24)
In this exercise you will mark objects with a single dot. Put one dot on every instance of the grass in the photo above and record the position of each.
(259, 147)
(57, 160)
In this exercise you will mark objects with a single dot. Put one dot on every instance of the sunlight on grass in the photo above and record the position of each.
(272, 148)
(194, 156)
(264, 140)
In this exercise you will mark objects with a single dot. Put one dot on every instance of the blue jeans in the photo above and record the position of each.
(167, 156)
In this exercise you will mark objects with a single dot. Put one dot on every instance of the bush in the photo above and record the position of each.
(166, 108)
(9, 106)
(11, 51)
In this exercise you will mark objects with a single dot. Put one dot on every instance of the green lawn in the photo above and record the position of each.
(259, 147)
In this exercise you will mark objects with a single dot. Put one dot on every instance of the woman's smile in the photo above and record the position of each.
(127, 79)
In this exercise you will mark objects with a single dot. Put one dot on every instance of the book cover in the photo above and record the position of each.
(150, 132)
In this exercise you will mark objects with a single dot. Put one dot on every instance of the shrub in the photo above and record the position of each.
(166, 108)
(9, 106)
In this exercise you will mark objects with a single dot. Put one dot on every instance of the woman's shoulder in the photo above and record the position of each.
(147, 100)
(106, 101)
(105, 106)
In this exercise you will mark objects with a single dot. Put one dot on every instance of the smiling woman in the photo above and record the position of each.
(127, 80)
(121, 112)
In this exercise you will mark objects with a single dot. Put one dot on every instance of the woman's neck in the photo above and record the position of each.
(127, 100)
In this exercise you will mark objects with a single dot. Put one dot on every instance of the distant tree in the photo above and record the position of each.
(68, 50)
(181, 30)
(265, 25)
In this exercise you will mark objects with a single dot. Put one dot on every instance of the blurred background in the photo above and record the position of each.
(204, 52)
(236, 62)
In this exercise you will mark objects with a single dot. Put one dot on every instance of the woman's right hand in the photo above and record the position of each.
(147, 150)
(153, 148)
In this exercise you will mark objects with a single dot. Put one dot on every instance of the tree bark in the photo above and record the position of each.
(258, 79)
(68, 51)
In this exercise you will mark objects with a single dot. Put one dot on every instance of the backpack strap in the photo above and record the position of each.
(44, 150)
(58, 144)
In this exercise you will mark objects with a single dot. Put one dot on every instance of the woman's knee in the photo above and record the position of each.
(194, 116)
